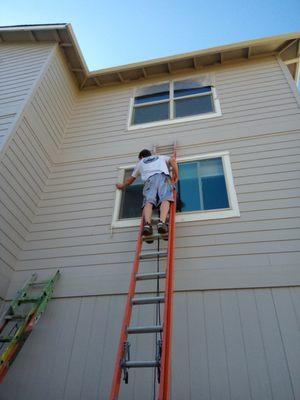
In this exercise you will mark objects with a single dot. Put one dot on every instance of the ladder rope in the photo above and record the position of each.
(158, 335)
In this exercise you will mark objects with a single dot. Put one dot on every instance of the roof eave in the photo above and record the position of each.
(287, 46)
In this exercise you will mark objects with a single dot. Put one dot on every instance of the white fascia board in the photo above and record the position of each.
(32, 27)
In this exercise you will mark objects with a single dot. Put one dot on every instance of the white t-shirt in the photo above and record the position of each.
(151, 165)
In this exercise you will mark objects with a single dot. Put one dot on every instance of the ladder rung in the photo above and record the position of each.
(155, 237)
(5, 339)
(144, 329)
(155, 221)
(152, 275)
(140, 364)
(42, 283)
(147, 300)
(153, 254)
(29, 300)
(10, 317)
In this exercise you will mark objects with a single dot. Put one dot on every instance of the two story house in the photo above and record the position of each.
(68, 135)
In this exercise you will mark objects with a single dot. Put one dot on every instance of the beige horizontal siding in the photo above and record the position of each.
(57, 196)
(71, 227)
(249, 93)
(227, 344)
(19, 68)
(65, 208)
(26, 163)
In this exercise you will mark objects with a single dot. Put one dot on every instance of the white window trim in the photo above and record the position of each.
(217, 113)
(232, 211)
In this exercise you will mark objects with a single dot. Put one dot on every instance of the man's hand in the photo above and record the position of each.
(120, 186)
(174, 179)
(174, 166)
(128, 182)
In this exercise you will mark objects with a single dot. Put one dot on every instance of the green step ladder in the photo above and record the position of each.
(18, 320)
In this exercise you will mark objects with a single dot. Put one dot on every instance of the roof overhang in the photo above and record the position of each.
(287, 47)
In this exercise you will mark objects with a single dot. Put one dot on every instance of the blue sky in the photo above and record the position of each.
(114, 33)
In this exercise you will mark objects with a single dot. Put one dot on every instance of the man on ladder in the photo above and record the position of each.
(157, 190)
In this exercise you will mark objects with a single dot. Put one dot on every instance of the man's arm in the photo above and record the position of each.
(128, 182)
(174, 166)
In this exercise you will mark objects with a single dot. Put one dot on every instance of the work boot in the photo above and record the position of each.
(148, 231)
(162, 228)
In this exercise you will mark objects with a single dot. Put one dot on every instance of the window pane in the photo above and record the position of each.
(155, 112)
(151, 97)
(191, 86)
(210, 167)
(187, 92)
(142, 91)
(214, 193)
(132, 198)
(193, 106)
(152, 93)
(188, 188)
(202, 185)
(191, 83)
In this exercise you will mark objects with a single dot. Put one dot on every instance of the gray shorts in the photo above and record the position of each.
(157, 188)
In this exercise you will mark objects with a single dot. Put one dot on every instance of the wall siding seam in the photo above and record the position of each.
(34, 156)
(194, 131)
(27, 164)
(61, 164)
(282, 342)
(29, 185)
(40, 145)
(70, 180)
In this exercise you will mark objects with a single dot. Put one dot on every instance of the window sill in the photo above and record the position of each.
(175, 121)
(183, 217)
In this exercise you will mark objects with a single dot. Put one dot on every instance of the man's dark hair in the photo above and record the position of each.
(144, 153)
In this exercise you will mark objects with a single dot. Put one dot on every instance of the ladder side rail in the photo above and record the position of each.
(17, 342)
(45, 297)
(26, 327)
(11, 308)
(22, 292)
(165, 383)
(8, 360)
(115, 388)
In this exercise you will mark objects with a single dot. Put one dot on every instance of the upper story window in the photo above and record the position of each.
(173, 101)
(205, 191)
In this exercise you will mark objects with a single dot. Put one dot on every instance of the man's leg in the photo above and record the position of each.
(166, 196)
(164, 209)
(148, 213)
(147, 229)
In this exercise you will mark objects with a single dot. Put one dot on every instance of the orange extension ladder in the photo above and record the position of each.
(162, 331)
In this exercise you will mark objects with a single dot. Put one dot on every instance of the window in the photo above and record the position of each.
(170, 102)
(202, 186)
(205, 190)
